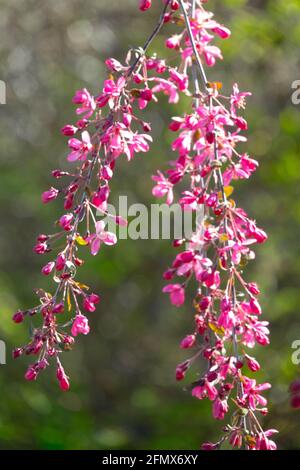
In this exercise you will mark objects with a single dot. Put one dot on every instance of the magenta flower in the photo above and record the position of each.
(252, 392)
(205, 390)
(181, 80)
(80, 325)
(237, 99)
(220, 408)
(86, 102)
(90, 302)
(80, 148)
(66, 221)
(49, 195)
(100, 236)
(62, 378)
(144, 4)
(263, 442)
(176, 292)
(188, 342)
(163, 187)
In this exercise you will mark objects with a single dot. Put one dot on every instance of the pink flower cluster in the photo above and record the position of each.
(227, 312)
(106, 128)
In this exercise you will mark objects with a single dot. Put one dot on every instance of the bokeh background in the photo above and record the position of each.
(123, 394)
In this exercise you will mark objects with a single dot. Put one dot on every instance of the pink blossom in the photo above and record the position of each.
(176, 292)
(49, 195)
(168, 88)
(252, 392)
(163, 187)
(188, 342)
(252, 363)
(209, 446)
(69, 130)
(48, 268)
(87, 102)
(237, 99)
(263, 442)
(66, 221)
(80, 325)
(111, 90)
(181, 80)
(144, 4)
(62, 378)
(60, 262)
(31, 373)
(220, 408)
(18, 317)
(174, 41)
(90, 302)
(80, 148)
(114, 65)
(205, 390)
(100, 236)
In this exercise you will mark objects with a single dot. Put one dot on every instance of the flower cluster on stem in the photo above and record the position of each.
(226, 309)
(227, 312)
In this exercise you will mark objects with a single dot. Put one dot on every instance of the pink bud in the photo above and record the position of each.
(31, 373)
(58, 308)
(62, 379)
(17, 352)
(42, 237)
(252, 364)
(295, 386)
(68, 202)
(40, 248)
(49, 195)
(90, 301)
(121, 221)
(188, 342)
(295, 401)
(58, 173)
(181, 370)
(144, 5)
(65, 222)
(176, 292)
(173, 42)
(255, 308)
(174, 4)
(209, 446)
(60, 262)
(253, 288)
(48, 268)
(18, 317)
(80, 325)
(107, 173)
(220, 408)
(222, 31)
(69, 130)
(146, 94)
(241, 123)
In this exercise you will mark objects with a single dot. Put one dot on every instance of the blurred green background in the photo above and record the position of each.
(123, 393)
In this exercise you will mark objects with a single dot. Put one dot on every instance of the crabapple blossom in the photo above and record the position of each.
(226, 311)
(109, 128)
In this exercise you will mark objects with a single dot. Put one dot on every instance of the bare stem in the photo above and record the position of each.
(193, 44)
